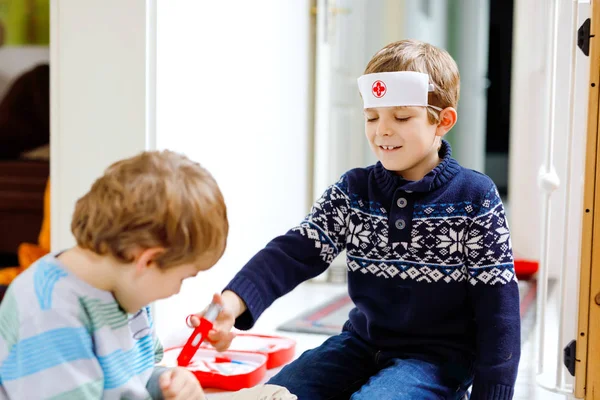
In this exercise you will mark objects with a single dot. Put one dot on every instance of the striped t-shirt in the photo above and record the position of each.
(61, 338)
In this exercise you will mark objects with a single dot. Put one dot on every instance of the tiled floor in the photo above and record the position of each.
(309, 295)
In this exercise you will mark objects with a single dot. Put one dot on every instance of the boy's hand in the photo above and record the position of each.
(180, 384)
(221, 336)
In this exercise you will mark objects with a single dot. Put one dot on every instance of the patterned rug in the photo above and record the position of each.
(328, 318)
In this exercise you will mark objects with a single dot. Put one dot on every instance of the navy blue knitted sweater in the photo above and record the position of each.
(430, 267)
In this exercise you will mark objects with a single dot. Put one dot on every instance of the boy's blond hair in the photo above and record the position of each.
(154, 199)
(414, 55)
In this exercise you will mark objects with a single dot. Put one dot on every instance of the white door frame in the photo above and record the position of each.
(102, 80)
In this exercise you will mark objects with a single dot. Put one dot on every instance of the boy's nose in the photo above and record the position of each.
(383, 130)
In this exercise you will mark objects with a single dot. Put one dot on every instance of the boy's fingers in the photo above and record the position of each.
(192, 391)
(165, 379)
(224, 343)
(186, 392)
(217, 299)
(217, 336)
(193, 320)
(224, 323)
(176, 383)
(214, 335)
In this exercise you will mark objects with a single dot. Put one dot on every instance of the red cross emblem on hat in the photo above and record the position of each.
(379, 89)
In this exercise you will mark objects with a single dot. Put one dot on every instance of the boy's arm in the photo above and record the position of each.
(494, 295)
(54, 357)
(302, 253)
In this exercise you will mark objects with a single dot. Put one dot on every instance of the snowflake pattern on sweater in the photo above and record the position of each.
(448, 242)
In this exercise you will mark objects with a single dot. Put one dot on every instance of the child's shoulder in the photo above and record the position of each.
(45, 287)
(474, 185)
(356, 176)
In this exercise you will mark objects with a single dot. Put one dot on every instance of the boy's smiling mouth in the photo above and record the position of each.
(390, 148)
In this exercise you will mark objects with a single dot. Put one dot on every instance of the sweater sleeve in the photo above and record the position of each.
(302, 253)
(494, 294)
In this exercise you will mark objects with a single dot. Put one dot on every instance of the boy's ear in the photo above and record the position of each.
(146, 257)
(448, 117)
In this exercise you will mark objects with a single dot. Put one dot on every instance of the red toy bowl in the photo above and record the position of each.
(240, 370)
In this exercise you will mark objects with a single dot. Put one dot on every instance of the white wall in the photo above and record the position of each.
(232, 93)
(98, 97)
(528, 119)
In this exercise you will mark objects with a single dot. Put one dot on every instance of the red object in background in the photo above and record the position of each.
(525, 269)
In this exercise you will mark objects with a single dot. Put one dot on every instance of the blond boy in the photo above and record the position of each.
(430, 265)
(77, 325)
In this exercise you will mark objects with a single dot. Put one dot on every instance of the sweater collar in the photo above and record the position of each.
(389, 181)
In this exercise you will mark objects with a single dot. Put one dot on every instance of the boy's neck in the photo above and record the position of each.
(94, 269)
(422, 168)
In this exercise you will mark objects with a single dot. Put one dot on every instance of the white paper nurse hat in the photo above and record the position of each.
(391, 89)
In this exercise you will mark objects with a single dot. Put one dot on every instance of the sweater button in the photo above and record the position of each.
(402, 202)
(400, 224)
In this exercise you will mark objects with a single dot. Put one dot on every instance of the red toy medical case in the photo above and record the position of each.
(244, 365)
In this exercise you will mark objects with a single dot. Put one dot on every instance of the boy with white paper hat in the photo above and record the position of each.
(430, 264)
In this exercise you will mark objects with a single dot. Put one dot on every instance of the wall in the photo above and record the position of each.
(232, 93)
(98, 97)
(528, 116)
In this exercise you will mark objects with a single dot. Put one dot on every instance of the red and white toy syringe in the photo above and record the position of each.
(199, 334)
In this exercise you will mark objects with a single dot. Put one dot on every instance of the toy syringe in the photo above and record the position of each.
(199, 334)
